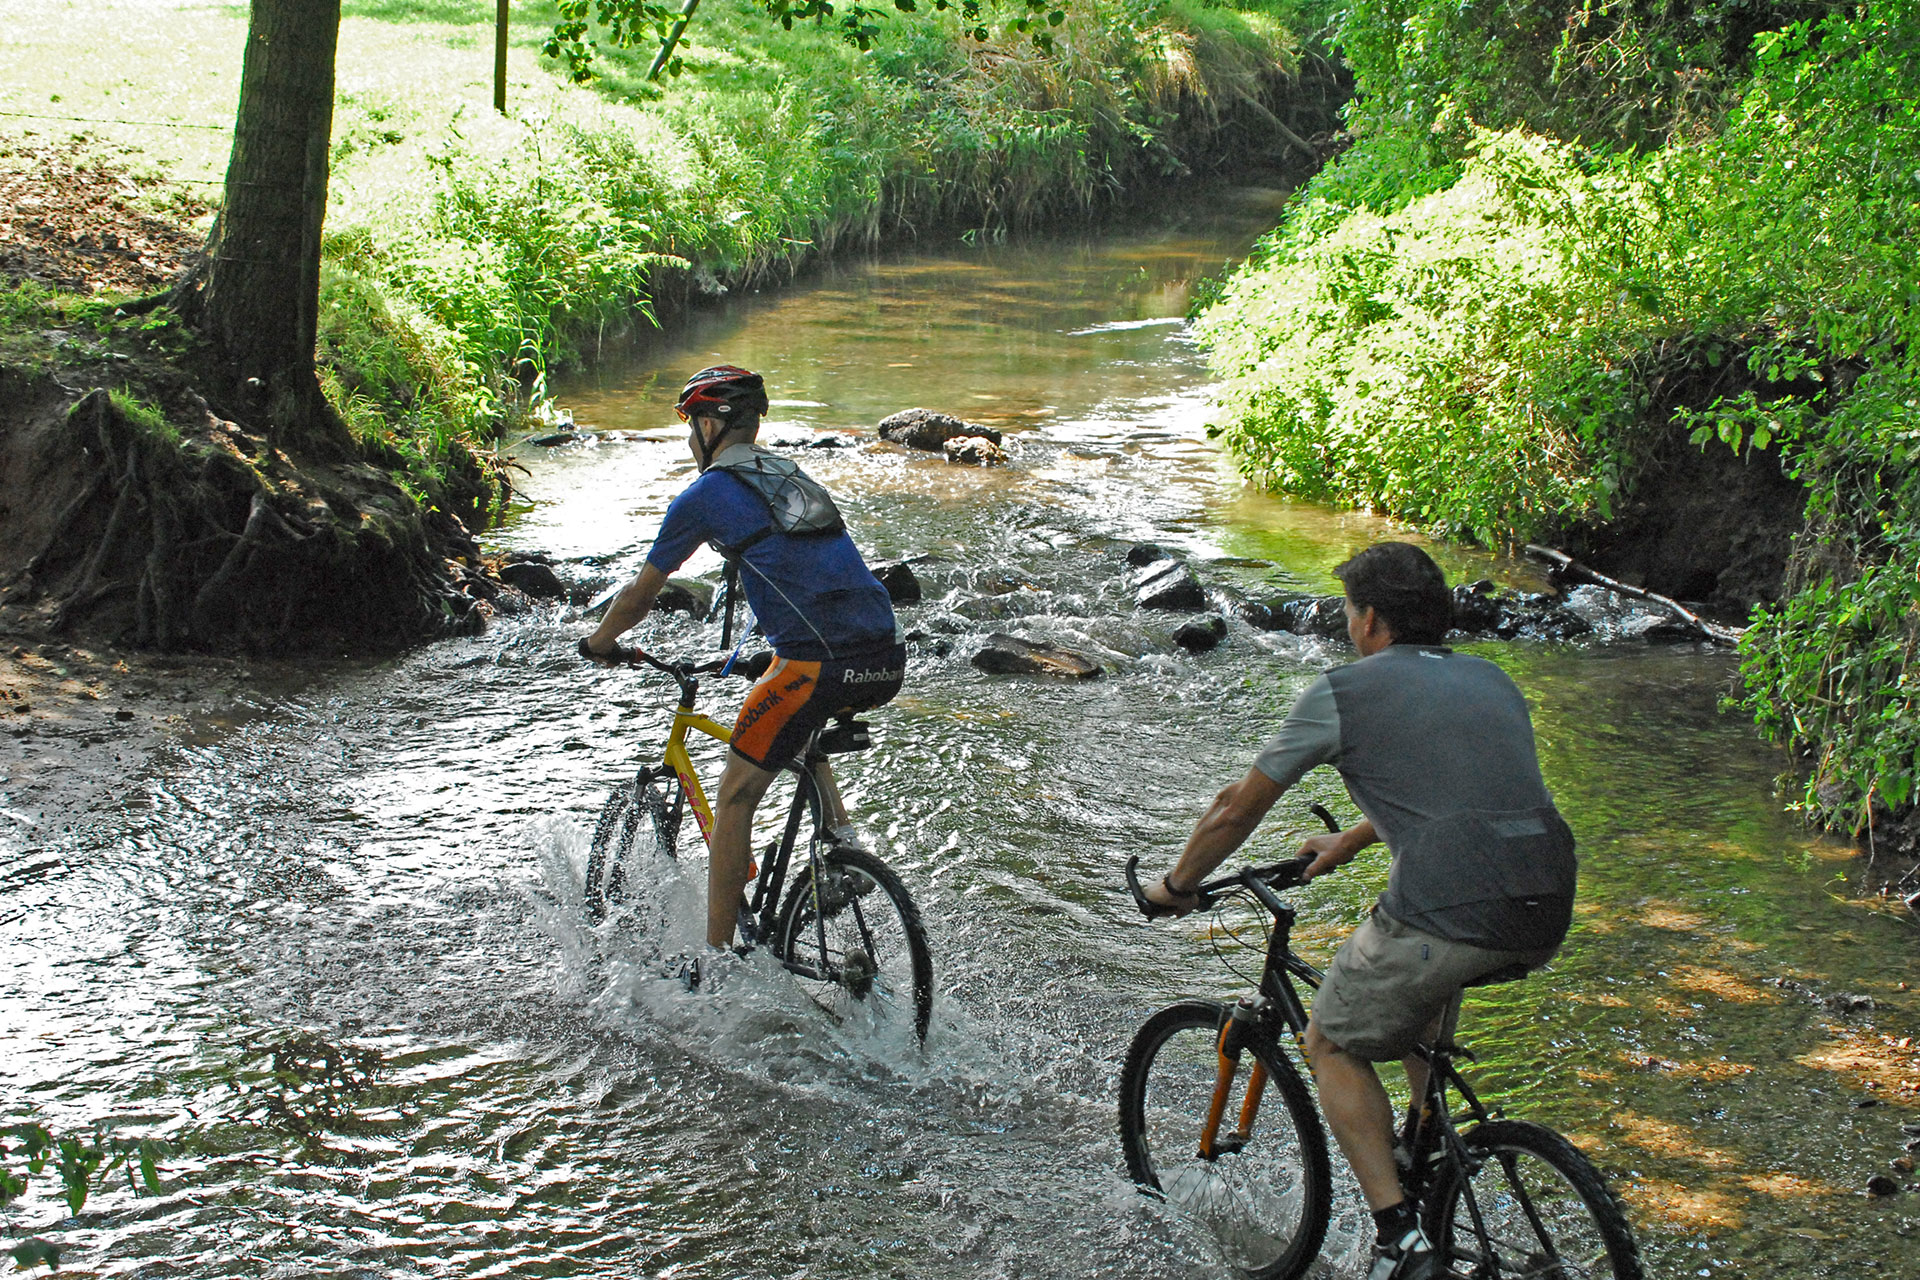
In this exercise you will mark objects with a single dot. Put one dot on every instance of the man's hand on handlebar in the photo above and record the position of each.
(1168, 900)
(1336, 849)
(613, 657)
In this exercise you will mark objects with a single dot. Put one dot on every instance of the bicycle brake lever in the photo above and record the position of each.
(1289, 874)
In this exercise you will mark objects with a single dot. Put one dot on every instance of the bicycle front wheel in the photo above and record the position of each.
(647, 807)
(853, 938)
(1265, 1203)
(1533, 1208)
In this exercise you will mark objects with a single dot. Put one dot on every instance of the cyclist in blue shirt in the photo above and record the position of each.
(828, 620)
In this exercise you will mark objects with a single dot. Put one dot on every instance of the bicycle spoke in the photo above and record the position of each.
(1262, 1199)
(1534, 1209)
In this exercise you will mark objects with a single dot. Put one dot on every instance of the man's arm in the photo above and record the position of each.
(1224, 827)
(627, 609)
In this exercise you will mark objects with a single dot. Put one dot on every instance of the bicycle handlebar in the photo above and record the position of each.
(633, 656)
(1279, 875)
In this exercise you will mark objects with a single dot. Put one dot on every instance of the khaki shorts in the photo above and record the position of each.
(1389, 981)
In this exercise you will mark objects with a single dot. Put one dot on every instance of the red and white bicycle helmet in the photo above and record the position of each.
(723, 391)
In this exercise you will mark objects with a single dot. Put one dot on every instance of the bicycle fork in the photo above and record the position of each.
(1234, 1035)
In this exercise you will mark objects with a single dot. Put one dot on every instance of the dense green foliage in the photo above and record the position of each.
(1526, 272)
(480, 261)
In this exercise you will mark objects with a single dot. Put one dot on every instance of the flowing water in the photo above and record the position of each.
(386, 858)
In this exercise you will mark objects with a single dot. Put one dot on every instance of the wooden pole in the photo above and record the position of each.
(500, 56)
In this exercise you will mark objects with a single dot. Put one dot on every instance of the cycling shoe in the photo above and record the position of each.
(703, 969)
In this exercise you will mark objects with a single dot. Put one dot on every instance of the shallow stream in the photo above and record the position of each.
(387, 857)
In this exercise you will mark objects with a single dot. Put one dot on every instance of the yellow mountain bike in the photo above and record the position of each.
(845, 925)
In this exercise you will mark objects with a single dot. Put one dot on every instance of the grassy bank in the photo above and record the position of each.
(467, 253)
(1565, 239)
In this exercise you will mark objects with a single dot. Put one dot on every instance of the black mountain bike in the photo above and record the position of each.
(845, 926)
(1202, 1128)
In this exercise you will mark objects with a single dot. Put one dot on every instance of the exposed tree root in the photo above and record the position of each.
(213, 538)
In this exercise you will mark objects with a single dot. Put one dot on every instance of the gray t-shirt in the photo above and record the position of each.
(1437, 749)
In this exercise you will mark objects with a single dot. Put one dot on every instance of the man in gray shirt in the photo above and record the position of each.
(1436, 748)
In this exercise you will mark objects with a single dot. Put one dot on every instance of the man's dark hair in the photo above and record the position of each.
(1405, 587)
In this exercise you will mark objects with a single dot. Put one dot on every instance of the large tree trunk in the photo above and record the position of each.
(259, 300)
(250, 519)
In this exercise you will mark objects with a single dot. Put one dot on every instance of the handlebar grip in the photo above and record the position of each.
(1320, 811)
(619, 655)
(1148, 907)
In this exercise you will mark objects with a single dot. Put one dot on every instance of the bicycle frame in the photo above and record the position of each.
(767, 880)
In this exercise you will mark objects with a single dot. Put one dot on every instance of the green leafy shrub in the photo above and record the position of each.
(1415, 362)
(1481, 329)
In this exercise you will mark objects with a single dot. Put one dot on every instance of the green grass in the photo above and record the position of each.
(467, 252)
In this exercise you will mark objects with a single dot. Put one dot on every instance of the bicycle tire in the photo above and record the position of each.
(650, 799)
(1544, 1211)
(1267, 1205)
(861, 906)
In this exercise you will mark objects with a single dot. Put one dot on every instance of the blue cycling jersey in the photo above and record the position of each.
(813, 594)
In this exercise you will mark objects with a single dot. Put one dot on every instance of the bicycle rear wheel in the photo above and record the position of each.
(854, 940)
(1266, 1205)
(649, 806)
(1533, 1208)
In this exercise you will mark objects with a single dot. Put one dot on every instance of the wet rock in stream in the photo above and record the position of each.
(533, 577)
(974, 451)
(1010, 655)
(1200, 636)
(898, 578)
(1167, 584)
(688, 596)
(925, 429)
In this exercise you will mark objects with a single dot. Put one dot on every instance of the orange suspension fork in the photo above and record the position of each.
(1233, 1040)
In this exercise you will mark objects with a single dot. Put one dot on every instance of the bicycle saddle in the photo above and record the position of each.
(846, 734)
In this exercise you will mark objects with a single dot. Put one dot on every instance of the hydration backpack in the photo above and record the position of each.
(796, 502)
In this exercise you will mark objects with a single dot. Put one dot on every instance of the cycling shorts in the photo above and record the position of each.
(1390, 982)
(794, 698)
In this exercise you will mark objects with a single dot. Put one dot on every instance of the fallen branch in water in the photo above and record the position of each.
(1566, 568)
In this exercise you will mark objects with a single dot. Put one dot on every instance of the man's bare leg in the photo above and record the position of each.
(1360, 1115)
(742, 785)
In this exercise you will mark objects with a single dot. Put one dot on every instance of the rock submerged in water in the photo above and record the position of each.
(685, 595)
(925, 429)
(1010, 655)
(898, 578)
(1201, 635)
(534, 579)
(974, 451)
(1168, 584)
